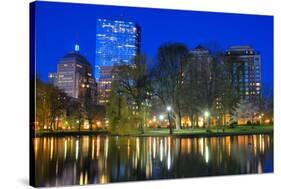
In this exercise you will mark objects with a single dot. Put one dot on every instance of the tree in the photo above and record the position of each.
(117, 110)
(266, 105)
(86, 99)
(50, 105)
(42, 105)
(168, 78)
(133, 81)
(245, 111)
(199, 85)
(57, 100)
(230, 93)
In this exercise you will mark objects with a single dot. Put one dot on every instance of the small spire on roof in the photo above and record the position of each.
(76, 48)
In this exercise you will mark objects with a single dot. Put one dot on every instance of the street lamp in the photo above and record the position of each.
(161, 117)
(207, 114)
(168, 108)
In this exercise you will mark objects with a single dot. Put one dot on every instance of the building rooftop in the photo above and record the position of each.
(240, 48)
(77, 56)
(200, 50)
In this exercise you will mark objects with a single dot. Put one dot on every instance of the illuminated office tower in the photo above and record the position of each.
(117, 43)
(74, 75)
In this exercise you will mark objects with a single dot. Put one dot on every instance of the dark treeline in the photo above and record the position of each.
(189, 83)
(54, 108)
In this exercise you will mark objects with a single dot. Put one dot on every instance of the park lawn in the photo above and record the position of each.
(70, 132)
(239, 130)
(158, 132)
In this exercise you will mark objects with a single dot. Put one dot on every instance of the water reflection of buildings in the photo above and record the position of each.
(103, 159)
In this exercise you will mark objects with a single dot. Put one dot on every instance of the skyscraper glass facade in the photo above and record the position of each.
(117, 42)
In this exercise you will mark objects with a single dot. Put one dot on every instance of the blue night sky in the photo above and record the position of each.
(60, 25)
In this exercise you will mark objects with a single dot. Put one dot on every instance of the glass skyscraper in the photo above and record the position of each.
(117, 42)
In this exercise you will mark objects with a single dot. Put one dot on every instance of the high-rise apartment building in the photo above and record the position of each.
(74, 75)
(117, 43)
(247, 72)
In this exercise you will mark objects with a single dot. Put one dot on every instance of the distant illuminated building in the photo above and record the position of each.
(202, 58)
(247, 72)
(74, 75)
(104, 85)
(117, 43)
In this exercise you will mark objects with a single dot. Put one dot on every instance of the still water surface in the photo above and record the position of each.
(104, 159)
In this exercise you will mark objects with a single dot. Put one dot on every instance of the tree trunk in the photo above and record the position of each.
(196, 119)
(178, 122)
(192, 120)
(141, 126)
(170, 124)
(224, 119)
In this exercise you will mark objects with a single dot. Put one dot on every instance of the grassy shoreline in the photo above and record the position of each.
(149, 132)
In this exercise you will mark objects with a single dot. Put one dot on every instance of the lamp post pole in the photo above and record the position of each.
(207, 114)
(169, 118)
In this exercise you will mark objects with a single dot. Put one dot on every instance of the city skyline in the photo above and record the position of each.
(248, 30)
(178, 94)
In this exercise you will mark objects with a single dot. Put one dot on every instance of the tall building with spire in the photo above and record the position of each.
(117, 43)
(74, 75)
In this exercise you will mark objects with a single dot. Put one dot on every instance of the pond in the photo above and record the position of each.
(103, 159)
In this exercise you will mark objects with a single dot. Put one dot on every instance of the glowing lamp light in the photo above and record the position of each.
(169, 108)
(267, 121)
(206, 114)
(161, 117)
